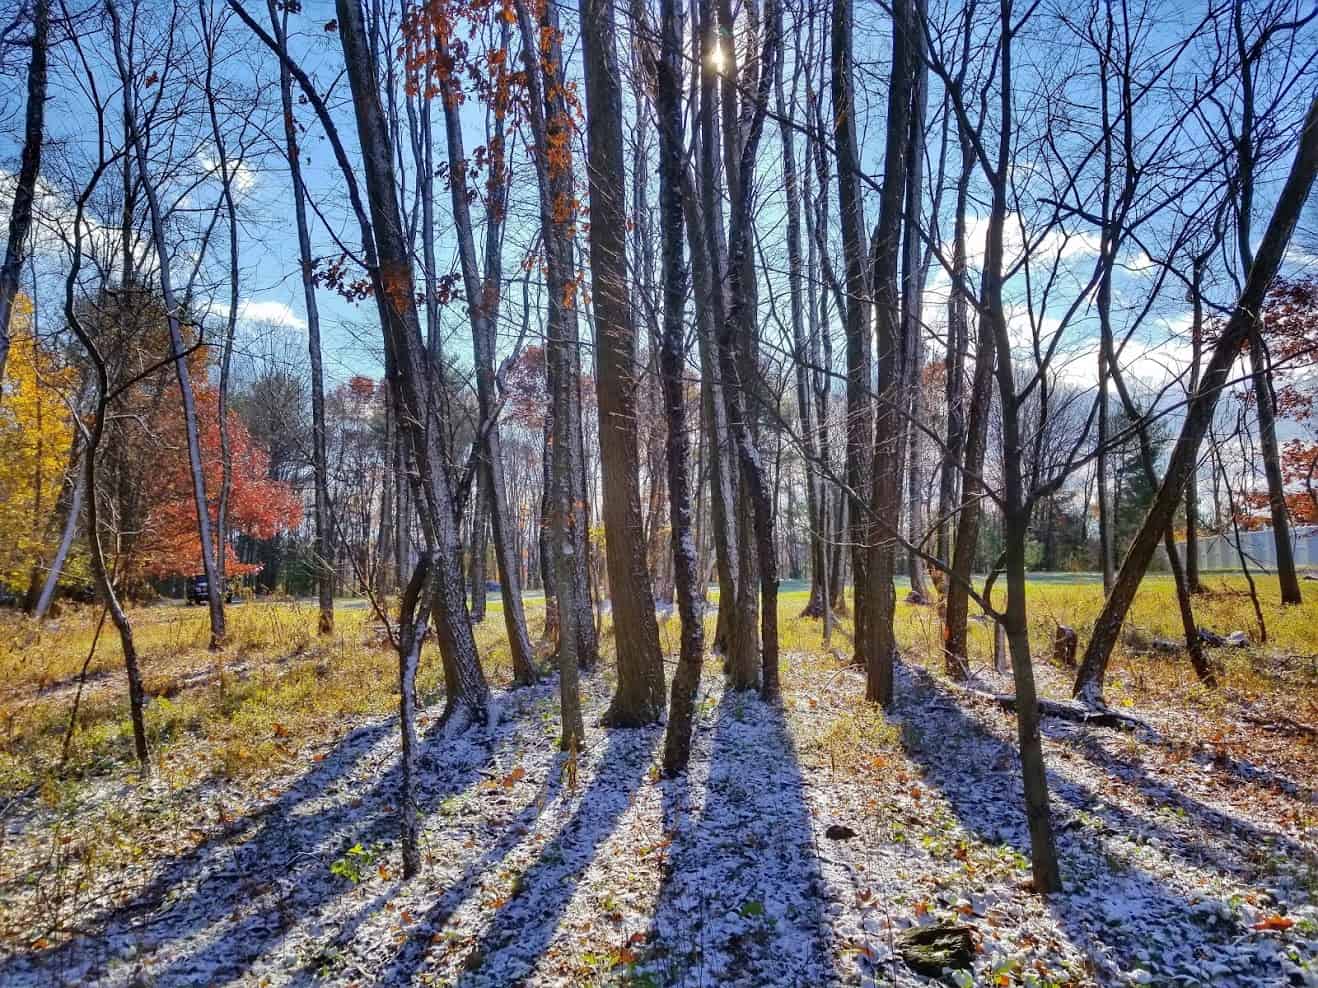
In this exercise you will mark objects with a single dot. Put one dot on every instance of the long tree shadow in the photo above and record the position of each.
(1114, 906)
(414, 950)
(743, 895)
(201, 902)
(525, 925)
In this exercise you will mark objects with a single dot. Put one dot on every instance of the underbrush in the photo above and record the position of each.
(275, 687)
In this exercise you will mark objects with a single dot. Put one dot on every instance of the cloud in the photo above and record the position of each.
(244, 179)
(263, 312)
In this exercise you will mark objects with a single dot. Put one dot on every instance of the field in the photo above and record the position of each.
(261, 850)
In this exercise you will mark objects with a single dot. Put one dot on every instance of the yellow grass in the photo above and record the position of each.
(277, 686)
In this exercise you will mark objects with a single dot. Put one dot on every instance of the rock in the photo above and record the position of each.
(928, 950)
(837, 831)
(1238, 639)
(1210, 637)
(917, 598)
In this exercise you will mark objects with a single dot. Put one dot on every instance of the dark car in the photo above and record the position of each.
(198, 590)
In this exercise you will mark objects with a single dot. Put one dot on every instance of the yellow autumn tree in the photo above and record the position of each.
(36, 429)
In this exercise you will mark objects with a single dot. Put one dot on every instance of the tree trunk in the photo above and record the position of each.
(479, 545)
(1261, 375)
(20, 209)
(956, 656)
(891, 354)
(958, 341)
(686, 575)
(92, 440)
(410, 639)
(860, 410)
(913, 276)
(639, 698)
(552, 124)
(804, 391)
(319, 458)
(414, 385)
(173, 317)
(735, 343)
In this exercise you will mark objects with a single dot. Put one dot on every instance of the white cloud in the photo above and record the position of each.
(265, 312)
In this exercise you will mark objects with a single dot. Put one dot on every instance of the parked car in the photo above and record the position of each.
(198, 590)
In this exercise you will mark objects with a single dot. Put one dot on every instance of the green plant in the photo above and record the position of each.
(355, 862)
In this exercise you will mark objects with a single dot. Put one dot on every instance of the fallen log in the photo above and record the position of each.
(1065, 710)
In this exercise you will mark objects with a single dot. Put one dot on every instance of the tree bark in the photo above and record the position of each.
(860, 409)
(958, 337)
(639, 698)
(686, 574)
(891, 355)
(20, 209)
(552, 124)
(483, 290)
(815, 522)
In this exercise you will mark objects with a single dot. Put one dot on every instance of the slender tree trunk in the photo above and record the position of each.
(958, 337)
(1265, 404)
(479, 546)
(552, 126)
(173, 317)
(412, 631)
(686, 575)
(1192, 483)
(91, 445)
(956, 656)
(739, 327)
(639, 698)
(860, 409)
(68, 533)
(483, 290)
(20, 209)
(319, 459)
(804, 392)
(913, 276)
(227, 172)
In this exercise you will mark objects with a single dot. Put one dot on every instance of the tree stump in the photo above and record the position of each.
(929, 950)
(1001, 655)
(1064, 646)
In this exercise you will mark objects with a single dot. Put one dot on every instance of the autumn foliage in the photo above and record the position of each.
(258, 506)
(36, 433)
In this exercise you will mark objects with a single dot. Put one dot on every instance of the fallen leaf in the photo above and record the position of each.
(1274, 923)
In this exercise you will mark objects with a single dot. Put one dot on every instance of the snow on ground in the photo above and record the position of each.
(764, 865)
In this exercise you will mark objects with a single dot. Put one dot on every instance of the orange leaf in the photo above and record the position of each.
(1274, 923)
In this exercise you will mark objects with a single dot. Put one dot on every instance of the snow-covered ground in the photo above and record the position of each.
(765, 865)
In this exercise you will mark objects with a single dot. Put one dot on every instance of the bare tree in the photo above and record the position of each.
(319, 461)
(1234, 334)
(686, 574)
(128, 80)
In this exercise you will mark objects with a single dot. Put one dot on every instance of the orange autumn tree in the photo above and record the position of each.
(259, 506)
